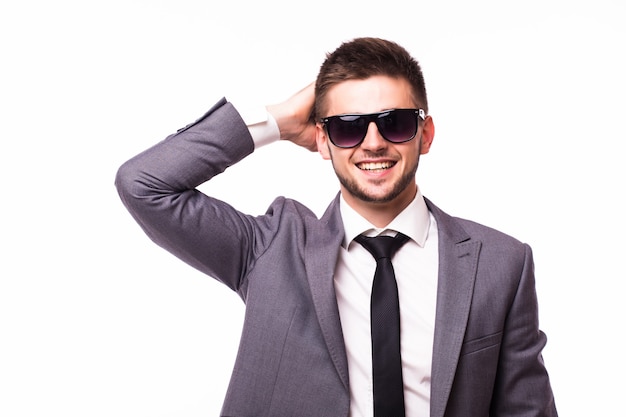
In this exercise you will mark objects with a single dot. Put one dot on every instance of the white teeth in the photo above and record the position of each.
(373, 166)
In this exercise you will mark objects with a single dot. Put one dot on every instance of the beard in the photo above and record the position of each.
(363, 194)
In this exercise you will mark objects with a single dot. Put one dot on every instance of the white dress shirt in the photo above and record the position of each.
(416, 269)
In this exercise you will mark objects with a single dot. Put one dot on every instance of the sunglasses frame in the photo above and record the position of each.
(372, 117)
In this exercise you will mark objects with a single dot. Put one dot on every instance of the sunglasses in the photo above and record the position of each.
(395, 126)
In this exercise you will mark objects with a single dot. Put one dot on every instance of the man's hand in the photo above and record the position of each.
(293, 117)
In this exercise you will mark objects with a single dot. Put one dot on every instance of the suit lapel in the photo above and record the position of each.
(458, 260)
(321, 252)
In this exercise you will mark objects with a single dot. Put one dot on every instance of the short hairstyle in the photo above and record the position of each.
(362, 58)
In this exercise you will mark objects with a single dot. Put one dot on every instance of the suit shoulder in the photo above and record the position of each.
(290, 208)
(504, 254)
(487, 233)
(459, 228)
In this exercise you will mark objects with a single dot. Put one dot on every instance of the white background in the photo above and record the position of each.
(95, 320)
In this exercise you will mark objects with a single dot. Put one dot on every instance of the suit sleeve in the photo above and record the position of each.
(158, 187)
(522, 387)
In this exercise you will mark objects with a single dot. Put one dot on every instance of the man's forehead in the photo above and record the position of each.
(368, 95)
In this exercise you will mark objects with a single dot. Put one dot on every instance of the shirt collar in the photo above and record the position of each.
(413, 221)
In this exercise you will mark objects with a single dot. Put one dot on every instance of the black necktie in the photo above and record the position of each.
(385, 320)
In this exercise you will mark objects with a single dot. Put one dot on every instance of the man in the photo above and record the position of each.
(466, 342)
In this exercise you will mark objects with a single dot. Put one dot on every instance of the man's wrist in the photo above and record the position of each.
(261, 124)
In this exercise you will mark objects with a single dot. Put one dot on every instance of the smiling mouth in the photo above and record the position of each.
(375, 166)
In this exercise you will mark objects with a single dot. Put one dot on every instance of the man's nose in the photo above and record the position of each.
(373, 141)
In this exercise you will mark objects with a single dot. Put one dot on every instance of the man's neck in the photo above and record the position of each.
(380, 214)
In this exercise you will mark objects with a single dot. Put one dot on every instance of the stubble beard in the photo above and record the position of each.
(362, 193)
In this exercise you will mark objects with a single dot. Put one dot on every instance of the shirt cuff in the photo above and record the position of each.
(261, 124)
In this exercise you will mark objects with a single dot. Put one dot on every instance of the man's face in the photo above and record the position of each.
(376, 173)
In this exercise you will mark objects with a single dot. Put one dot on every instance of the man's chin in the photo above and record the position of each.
(382, 191)
(373, 196)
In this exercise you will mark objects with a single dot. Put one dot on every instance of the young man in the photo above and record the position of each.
(459, 339)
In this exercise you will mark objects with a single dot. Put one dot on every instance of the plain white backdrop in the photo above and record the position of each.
(95, 320)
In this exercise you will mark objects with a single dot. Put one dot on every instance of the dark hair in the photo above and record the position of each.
(362, 58)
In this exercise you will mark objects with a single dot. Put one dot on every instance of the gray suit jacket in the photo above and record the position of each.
(292, 360)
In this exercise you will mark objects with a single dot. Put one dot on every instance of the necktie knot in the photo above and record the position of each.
(382, 246)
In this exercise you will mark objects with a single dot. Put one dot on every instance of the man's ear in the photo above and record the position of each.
(428, 134)
(322, 141)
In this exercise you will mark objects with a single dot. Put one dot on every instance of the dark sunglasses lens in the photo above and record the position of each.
(347, 131)
(398, 126)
